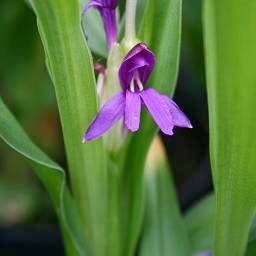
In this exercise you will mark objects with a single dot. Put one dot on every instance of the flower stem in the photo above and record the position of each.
(130, 19)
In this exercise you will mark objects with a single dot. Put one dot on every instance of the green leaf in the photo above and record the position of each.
(140, 13)
(70, 65)
(200, 220)
(230, 41)
(163, 21)
(200, 223)
(164, 227)
(161, 30)
(52, 176)
(251, 249)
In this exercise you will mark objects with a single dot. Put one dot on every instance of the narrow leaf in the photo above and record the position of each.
(200, 221)
(52, 176)
(164, 231)
(163, 20)
(70, 65)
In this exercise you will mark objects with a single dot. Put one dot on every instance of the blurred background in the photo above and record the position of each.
(27, 220)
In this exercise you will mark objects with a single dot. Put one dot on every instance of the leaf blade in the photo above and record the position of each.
(51, 174)
(70, 65)
(164, 227)
(165, 39)
(230, 81)
(200, 221)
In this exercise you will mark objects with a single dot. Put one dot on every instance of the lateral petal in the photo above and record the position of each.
(132, 110)
(111, 112)
(179, 118)
(159, 109)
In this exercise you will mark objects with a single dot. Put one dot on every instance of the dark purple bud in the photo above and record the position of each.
(107, 10)
(203, 254)
(99, 68)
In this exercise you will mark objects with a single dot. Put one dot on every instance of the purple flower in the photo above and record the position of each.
(133, 74)
(107, 10)
(203, 254)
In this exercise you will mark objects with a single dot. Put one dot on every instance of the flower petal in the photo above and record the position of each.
(109, 4)
(111, 112)
(159, 109)
(110, 25)
(132, 111)
(91, 4)
(179, 118)
(140, 58)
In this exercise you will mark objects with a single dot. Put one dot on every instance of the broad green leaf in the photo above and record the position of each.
(164, 231)
(52, 176)
(230, 40)
(200, 223)
(163, 20)
(70, 65)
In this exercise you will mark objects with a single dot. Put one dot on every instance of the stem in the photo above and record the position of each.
(130, 19)
(70, 66)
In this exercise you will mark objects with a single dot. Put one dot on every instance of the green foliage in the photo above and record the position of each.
(230, 40)
(166, 39)
(161, 30)
(52, 176)
(200, 223)
(164, 231)
(107, 212)
(70, 66)
(251, 249)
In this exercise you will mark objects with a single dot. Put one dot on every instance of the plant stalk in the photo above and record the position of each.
(130, 19)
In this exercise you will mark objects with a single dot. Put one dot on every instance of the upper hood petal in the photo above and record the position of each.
(139, 59)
